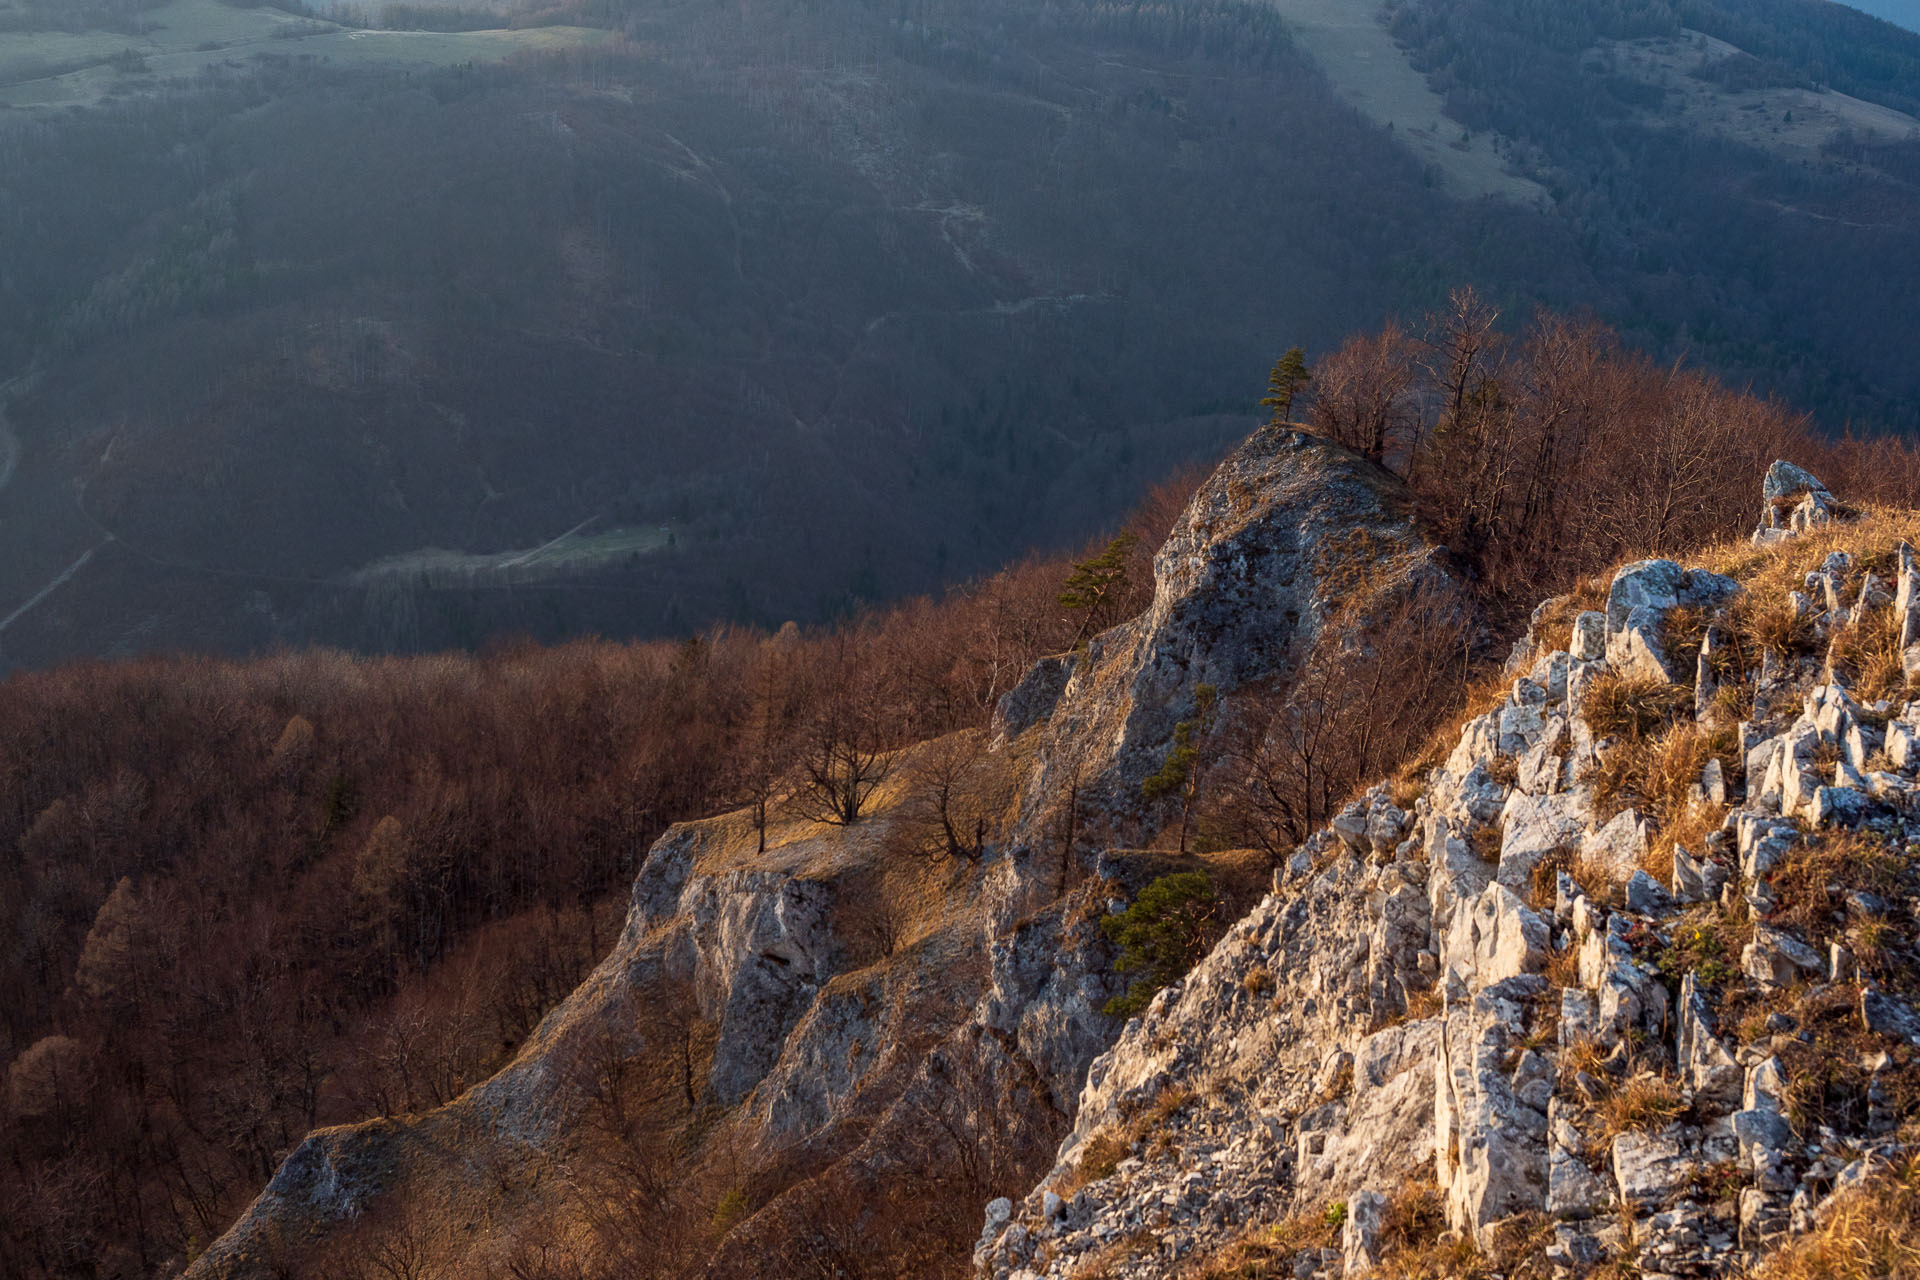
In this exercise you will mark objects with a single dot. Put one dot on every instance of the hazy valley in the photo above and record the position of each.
(736, 281)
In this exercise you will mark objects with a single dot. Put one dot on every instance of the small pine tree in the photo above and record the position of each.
(1161, 936)
(1286, 382)
(1180, 772)
(1095, 586)
(1176, 769)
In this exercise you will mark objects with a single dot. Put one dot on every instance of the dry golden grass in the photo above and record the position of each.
(1563, 968)
(1732, 703)
(1100, 1264)
(1100, 1155)
(1405, 792)
(1658, 776)
(1584, 1054)
(1149, 1122)
(1554, 630)
(1773, 571)
(1762, 619)
(1844, 860)
(1827, 1076)
(1544, 880)
(1418, 1246)
(1689, 829)
(1682, 634)
(1266, 1253)
(1872, 1233)
(1414, 1239)
(1770, 624)
(1645, 1101)
(1865, 656)
(1632, 706)
(1425, 1003)
(1594, 878)
(1258, 981)
(1415, 1217)
(1868, 939)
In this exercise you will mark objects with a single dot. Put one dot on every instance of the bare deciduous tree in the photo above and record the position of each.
(956, 792)
(844, 755)
(1364, 395)
(1369, 692)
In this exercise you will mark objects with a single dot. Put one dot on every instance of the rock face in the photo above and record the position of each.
(1412, 1034)
(754, 950)
(1793, 500)
(1641, 596)
(1270, 546)
(1034, 698)
(986, 1024)
(1458, 993)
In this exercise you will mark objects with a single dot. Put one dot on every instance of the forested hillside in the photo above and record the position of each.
(639, 317)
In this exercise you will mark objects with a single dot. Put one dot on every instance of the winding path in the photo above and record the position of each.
(51, 587)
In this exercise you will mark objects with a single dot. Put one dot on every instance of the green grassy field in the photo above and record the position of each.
(58, 68)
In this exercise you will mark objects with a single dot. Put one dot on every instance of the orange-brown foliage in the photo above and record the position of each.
(353, 885)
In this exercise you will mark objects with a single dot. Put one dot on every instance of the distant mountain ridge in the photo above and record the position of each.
(1904, 12)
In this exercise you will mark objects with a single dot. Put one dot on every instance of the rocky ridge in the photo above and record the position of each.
(1472, 994)
(806, 1050)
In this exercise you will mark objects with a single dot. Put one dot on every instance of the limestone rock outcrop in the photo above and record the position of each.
(1502, 986)
(1793, 500)
(1465, 1008)
(986, 1022)
(1287, 530)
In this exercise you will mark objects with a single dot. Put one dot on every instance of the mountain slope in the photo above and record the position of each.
(1625, 979)
(828, 1074)
(1592, 998)
(775, 332)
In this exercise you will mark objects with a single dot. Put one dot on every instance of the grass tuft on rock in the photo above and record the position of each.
(1871, 1233)
(1620, 705)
